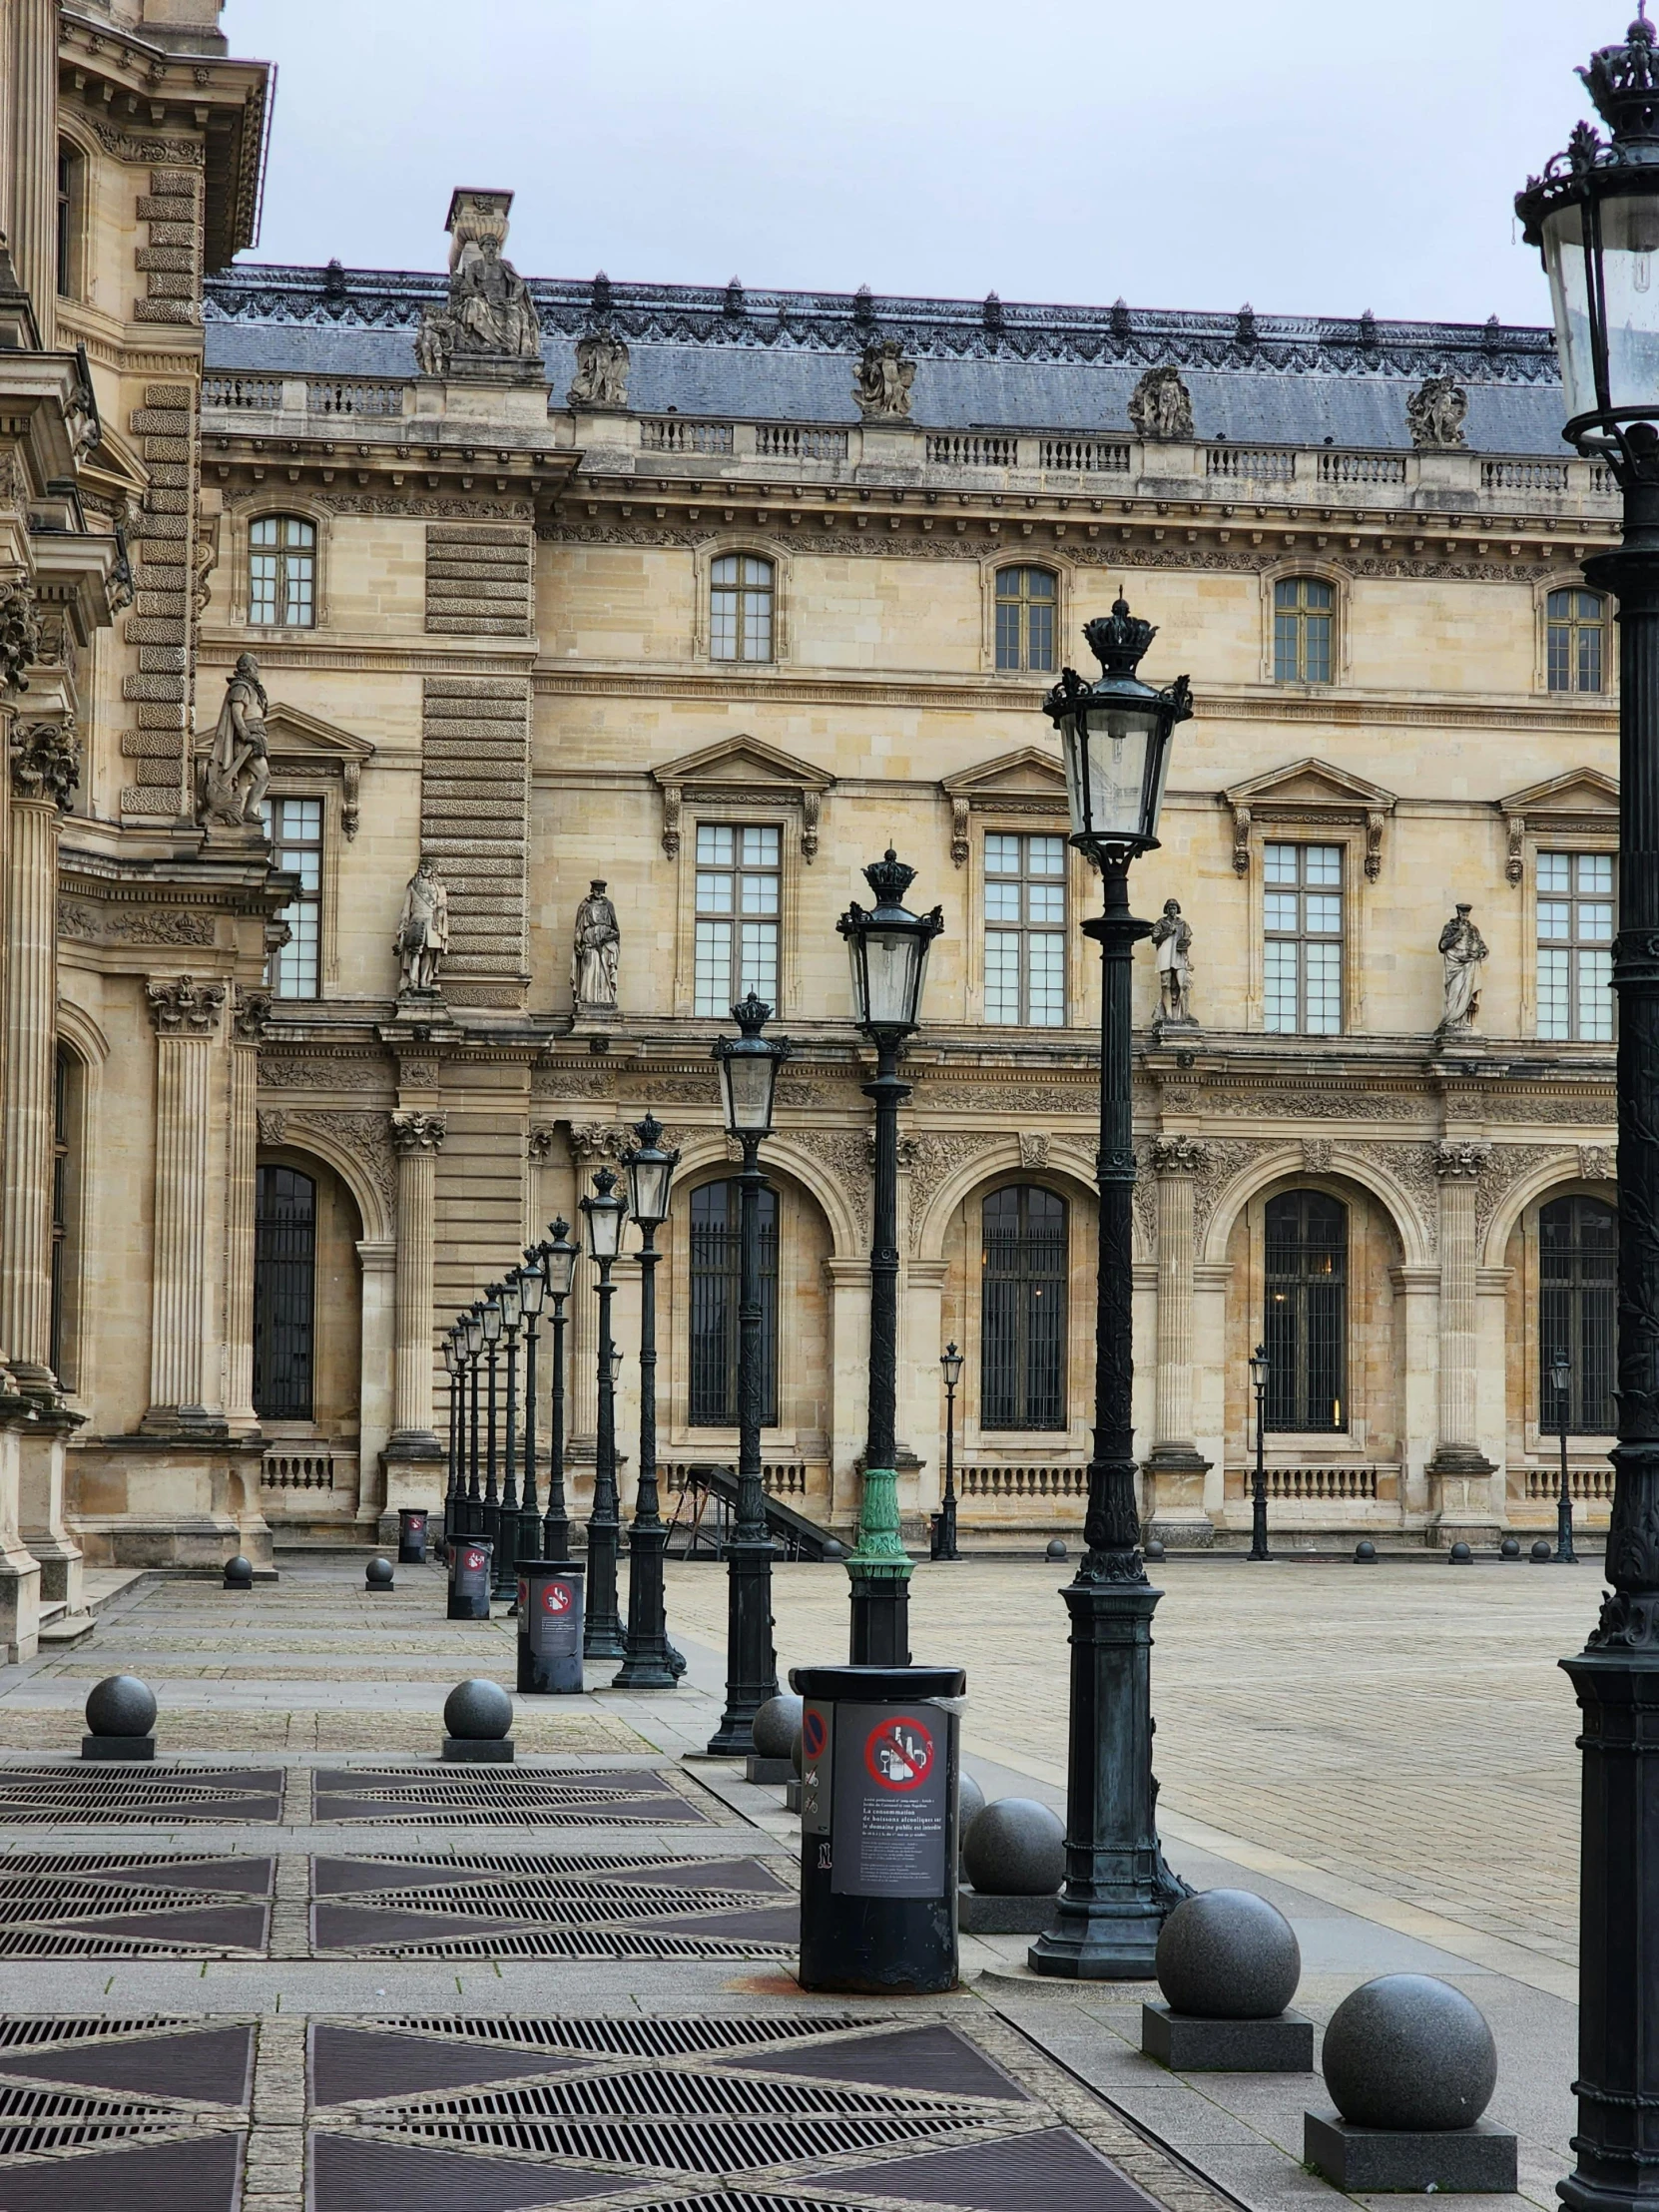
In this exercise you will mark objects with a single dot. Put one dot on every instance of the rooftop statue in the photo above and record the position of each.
(489, 310)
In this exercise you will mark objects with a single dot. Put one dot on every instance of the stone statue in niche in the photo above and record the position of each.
(1463, 955)
(237, 771)
(1434, 412)
(422, 936)
(1161, 407)
(601, 379)
(881, 381)
(597, 951)
(1172, 945)
(489, 310)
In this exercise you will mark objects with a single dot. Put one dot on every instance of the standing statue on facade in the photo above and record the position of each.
(237, 772)
(1462, 953)
(1172, 945)
(422, 931)
(597, 951)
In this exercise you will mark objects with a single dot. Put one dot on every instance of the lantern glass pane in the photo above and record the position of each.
(561, 1268)
(895, 964)
(1107, 750)
(647, 1182)
(749, 1078)
(474, 1336)
(512, 1313)
(1630, 280)
(492, 1322)
(531, 1284)
(605, 1229)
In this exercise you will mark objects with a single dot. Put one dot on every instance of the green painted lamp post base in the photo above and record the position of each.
(880, 1571)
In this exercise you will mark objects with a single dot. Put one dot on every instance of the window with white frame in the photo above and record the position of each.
(1577, 626)
(1575, 947)
(739, 897)
(1025, 930)
(1303, 953)
(1025, 603)
(295, 827)
(1303, 619)
(740, 608)
(282, 573)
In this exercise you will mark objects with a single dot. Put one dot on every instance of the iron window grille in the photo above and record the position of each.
(1025, 603)
(1575, 947)
(284, 1294)
(1575, 627)
(295, 827)
(1578, 1242)
(740, 608)
(282, 573)
(1305, 1324)
(716, 1284)
(1025, 923)
(1023, 1310)
(1302, 914)
(739, 895)
(1304, 618)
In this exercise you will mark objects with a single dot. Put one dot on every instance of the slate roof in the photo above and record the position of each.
(788, 356)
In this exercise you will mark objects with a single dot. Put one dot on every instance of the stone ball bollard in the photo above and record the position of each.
(834, 1552)
(476, 1717)
(1056, 1548)
(1017, 1849)
(1227, 1955)
(1365, 1553)
(970, 1803)
(377, 1575)
(1510, 1548)
(1408, 2052)
(239, 1573)
(121, 1705)
(777, 1725)
(1153, 1550)
(1459, 1555)
(1541, 1553)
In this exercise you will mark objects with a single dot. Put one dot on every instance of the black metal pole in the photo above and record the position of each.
(881, 1567)
(506, 1549)
(452, 1492)
(1565, 1556)
(491, 1528)
(948, 1513)
(603, 1638)
(474, 1496)
(555, 1528)
(645, 1664)
(529, 1510)
(751, 1662)
(1117, 1889)
(1259, 1488)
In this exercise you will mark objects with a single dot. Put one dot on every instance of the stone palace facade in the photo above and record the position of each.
(431, 699)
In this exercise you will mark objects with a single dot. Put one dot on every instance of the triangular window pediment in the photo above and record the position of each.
(742, 771)
(1311, 791)
(1026, 782)
(1579, 803)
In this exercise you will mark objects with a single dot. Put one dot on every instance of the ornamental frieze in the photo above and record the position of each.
(87, 922)
(280, 1074)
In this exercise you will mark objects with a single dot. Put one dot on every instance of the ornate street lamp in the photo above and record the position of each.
(944, 1542)
(452, 1488)
(561, 1257)
(1594, 215)
(604, 1211)
(473, 1321)
(1115, 736)
(1260, 1369)
(888, 948)
(748, 1065)
(505, 1554)
(1560, 1376)
(492, 1319)
(645, 1663)
(532, 1287)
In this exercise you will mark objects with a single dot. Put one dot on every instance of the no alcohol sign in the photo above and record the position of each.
(890, 1806)
(549, 1627)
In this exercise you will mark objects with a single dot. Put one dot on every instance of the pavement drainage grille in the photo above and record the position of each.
(638, 2039)
(435, 1798)
(16, 2035)
(139, 1907)
(598, 1944)
(702, 2147)
(153, 1795)
(657, 2095)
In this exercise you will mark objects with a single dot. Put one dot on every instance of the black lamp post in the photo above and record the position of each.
(950, 1364)
(1115, 736)
(452, 1488)
(562, 1256)
(532, 1287)
(646, 1664)
(475, 1350)
(1594, 213)
(888, 948)
(492, 1318)
(603, 1211)
(505, 1554)
(1260, 1366)
(1560, 1376)
(748, 1065)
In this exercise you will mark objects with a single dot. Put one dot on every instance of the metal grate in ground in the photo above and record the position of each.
(459, 1795)
(101, 1796)
(109, 1906)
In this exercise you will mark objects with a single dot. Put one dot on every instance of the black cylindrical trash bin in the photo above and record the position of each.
(879, 1759)
(550, 1626)
(411, 1536)
(469, 1579)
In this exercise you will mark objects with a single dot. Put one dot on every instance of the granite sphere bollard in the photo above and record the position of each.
(1459, 1555)
(1408, 2051)
(476, 1717)
(377, 1575)
(777, 1725)
(1541, 1553)
(1017, 1849)
(1365, 1553)
(1509, 1548)
(239, 1573)
(1153, 1550)
(1227, 1955)
(1055, 1548)
(970, 1803)
(121, 1718)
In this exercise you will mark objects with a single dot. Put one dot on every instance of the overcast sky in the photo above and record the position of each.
(1309, 156)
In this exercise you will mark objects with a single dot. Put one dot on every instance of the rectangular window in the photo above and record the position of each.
(716, 1287)
(295, 827)
(282, 573)
(740, 608)
(739, 897)
(1576, 632)
(1303, 613)
(1025, 931)
(1025, 600)
(1575, 947)
(1303, 923)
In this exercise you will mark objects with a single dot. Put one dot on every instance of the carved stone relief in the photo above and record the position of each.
(367, 1137)
(19, 635)
(1434, 413)
(183, 1008)
(1223, 1158)
(46, 761)
(322, 1075)
(1598, 1162)
(1414, 1167)
(1161, 407)
(88, 922)
(881, 381)
(939, 1154)
(1508, 1164)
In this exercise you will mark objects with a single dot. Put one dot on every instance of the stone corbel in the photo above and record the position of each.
(1516, 831)
(351, 780)
(673, 800)
(1375, 819)
(811, 806)
(184, 1007)
(961, 843)
(46, 761)
(1241, 841)
(19, 633)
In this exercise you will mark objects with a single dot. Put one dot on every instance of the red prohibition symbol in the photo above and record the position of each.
(474, 1560)
(900, 1754)
(813, 1735)
(557, 1597)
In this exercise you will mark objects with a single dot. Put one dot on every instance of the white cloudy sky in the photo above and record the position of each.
(1311, 156)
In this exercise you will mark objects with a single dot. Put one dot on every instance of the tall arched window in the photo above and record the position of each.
(64, 1119)
(282, 573)
(716, 1281)
(1025, 601)
(1022, 1327)
(740, 608)
(72, 174)
(1578, 1242)
(1304, 618)
(1305, 1326)
(1576, 639)
(284, 1294)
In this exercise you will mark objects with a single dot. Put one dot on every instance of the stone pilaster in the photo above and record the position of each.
(253, 1009)
(1459, 1474)
(417, 1138)
(33, 99)
(187, 1017)
(1174, 1468)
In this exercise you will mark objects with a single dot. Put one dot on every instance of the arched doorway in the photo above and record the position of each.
(307, 1336)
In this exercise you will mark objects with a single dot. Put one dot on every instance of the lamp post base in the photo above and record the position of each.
(880, 1571)
(646, 1664)
(602, 1636)
(752, 1664)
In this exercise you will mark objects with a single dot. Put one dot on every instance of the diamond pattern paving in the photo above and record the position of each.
(432, 1796)
(85, 1905)
(154, 1795)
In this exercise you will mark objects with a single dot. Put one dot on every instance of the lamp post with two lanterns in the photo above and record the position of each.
(1115, 735)
(604, 1211)
(645, 1663)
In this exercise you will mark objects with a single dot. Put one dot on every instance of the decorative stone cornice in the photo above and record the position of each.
(184, 1007)
(19, 633)
(417, 1132)
(46, 761)
(1461, 1159)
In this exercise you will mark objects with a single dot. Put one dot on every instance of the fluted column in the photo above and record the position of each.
(45, 765)
(1174, 1468)
(1460, 1472)
(253, 1009)
(187, 1017)
(33, 97)
(417, 1138)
